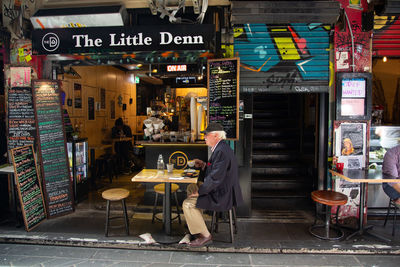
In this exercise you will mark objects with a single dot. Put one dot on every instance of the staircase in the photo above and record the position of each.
(282, 155)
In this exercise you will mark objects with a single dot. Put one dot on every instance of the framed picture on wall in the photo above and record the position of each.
(351, 144)
(353, 96)
(102, 98)
(78, 95)
(112, 109)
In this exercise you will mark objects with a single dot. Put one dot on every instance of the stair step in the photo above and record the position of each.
(282, 204)
(277, 171)
(280, 194)
(259, 158)
(272, 123)
(276, 133)
(257, 186)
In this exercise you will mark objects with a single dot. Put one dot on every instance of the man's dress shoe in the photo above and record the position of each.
(201, 241)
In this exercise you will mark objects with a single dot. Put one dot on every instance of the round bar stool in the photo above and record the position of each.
(160, 189)
(328, 198)
(231, 220)
(116, 194)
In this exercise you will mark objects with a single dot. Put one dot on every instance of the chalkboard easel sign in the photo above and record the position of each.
(29, 186)
(223, 94)
(52, 147)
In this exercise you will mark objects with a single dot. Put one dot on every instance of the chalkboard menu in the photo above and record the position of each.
(21, 117)
(223, 94)
(52, 147)
(29, 186)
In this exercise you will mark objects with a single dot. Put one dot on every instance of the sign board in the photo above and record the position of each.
(21, 117)
(354, 96)
(223, 94)
(52, 147)
(29, 186)
(93, 40)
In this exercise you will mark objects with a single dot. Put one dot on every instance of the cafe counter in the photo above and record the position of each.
(177, 153)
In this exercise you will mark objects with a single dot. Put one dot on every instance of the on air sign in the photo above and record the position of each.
(176, 68)
(95, 40)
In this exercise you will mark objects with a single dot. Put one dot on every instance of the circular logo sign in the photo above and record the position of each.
(179, 159)
(50, 42)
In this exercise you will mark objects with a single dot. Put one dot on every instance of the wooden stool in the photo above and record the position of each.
(116, 194)
(160, 189)
(395, 207)
(232, 222)
(328, 198)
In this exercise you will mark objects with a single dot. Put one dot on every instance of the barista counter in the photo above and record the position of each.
(178, 153)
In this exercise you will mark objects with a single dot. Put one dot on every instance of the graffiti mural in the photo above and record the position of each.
(386, 36)
(283, 58)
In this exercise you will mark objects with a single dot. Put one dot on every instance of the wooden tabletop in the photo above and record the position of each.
(372, 176)
(154, 176)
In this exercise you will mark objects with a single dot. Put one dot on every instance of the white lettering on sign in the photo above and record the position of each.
(129, 40)
(88, 42)
(167, 38)
(353, 87)
(171, 68)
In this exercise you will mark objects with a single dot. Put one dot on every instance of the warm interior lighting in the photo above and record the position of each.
(384, 59)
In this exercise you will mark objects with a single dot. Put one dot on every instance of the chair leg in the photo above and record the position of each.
(213, 221)
(216, 222)
(231, 225)
(388, 212)
(126, 217)
(234, 219)
(177, 207)
(327, 220)
(107, 217)
(394, 219)
(154, 208)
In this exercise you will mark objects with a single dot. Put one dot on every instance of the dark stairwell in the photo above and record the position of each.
(282, 157)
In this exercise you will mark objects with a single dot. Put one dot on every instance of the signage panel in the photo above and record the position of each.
(95, 40)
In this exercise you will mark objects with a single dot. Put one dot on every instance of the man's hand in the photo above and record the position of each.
(198, 163)
(196, 194)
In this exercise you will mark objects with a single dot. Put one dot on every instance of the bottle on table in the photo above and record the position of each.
(160, 163)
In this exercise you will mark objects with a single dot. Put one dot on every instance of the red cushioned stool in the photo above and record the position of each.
(328, 198)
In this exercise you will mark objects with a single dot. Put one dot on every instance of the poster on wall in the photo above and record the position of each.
(351, 144)
(78, 95)
(20, 76)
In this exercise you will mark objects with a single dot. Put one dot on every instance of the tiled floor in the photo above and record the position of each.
(85, 227)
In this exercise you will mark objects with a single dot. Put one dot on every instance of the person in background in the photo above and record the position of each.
(348, 148)
(391, 170)
(220, 190)
(124, 149)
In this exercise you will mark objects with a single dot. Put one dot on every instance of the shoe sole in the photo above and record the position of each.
(205, 244)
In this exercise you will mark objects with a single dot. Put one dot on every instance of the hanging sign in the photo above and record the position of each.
(93, 40)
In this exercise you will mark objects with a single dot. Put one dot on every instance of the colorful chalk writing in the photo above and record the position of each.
(49, 116)
(29, 187)
(223, 96)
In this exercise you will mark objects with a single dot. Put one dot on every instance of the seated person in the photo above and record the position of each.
(124, 149)
(391, 170)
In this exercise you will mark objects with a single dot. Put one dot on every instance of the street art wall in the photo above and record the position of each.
(283, 58)
(386, 40)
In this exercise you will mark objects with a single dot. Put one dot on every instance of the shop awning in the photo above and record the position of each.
(283, 12)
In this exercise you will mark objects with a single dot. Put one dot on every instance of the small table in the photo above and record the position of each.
(363, 177)
(9, 169)
(154, 176)
(120, 139)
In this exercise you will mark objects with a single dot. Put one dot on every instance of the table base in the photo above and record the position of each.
(366, 230)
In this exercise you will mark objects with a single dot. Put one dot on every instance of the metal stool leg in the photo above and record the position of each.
(126, 217)
(154, 208)
(231, 225)
(177, 207)
(107, 216)
(388, 212)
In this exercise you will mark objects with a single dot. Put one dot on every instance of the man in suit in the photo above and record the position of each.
(220, 190)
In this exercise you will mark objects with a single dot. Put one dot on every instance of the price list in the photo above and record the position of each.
(223, 97)
(52, 147)
(21, 117)
(28, 184)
